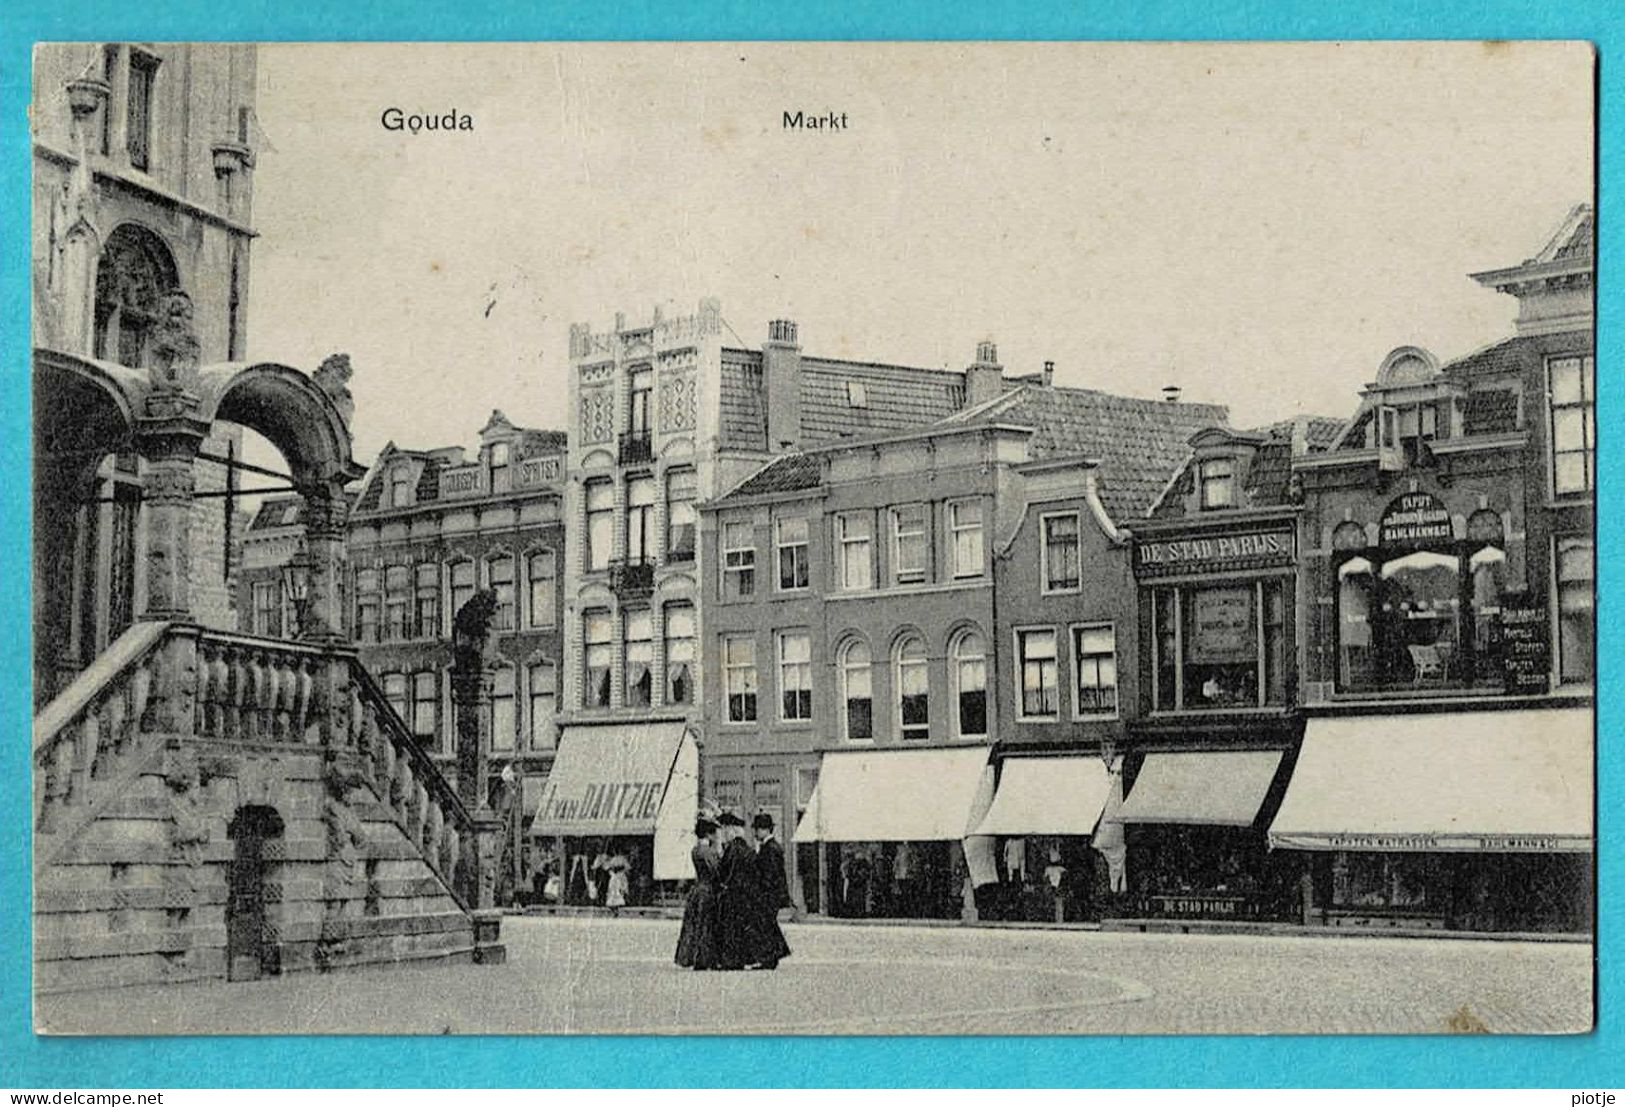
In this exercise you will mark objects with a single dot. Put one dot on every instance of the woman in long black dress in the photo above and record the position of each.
(736, 896)
(697, 941)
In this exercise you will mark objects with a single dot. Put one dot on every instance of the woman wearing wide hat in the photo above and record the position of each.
(697, 941)
(736, 896)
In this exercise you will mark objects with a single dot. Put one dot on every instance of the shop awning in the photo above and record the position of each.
(929, 795)
(1048, 795)
(615, 781)
(1493, 781)
(1218, 788)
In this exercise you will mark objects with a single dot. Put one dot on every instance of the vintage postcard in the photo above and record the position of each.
(813, 538)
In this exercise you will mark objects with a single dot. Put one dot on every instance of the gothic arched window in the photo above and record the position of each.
(135, 271)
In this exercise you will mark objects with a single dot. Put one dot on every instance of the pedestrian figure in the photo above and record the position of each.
(736, 895)
(697, 941)
(772, 895)
(615, 884)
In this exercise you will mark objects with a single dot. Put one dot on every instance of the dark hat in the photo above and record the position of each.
(703, 826)
(762, 821)
(730, 818)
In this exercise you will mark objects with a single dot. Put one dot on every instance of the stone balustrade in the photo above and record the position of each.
(95, 720)
(257, 690)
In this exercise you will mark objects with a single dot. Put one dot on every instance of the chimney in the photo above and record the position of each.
(781, 384)
(1170, 393)
(1049, 374)
(1300, 435)
(984, 377)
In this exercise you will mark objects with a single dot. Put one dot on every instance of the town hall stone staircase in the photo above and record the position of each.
(212, 805)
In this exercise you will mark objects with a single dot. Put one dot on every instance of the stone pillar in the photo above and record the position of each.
(169, 444)
(471, 680)
(326, 517)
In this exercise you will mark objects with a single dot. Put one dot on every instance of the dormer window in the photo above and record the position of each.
(500, 476)
(856, 395)
(400, 486)
(1218, 483)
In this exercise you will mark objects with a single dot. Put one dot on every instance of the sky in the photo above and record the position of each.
(1258, 224)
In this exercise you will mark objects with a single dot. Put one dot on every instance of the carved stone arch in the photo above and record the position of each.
(598, 459)
(678, 450)
(595, 595)
(957, 630)
(292, 411)
(679, 586)
(901, 634)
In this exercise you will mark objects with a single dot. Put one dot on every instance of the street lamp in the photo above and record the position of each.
(296, 585)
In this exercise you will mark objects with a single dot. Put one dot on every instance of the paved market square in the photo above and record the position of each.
(588, 975)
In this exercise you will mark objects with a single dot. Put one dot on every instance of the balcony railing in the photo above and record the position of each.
(632, 578)
(636, 447)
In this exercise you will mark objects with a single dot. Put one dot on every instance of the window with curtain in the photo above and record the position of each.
(857, 691)
(795, 676)
(1094, 663)
(682, 521)
(426, 708)
(970, 685)
(739, 676)
(597, 634)
(1576, 605)
(1036, 670)
(910, 543)
(965, 533)
(395, 694)
(1218, 480)
(679, 653)
(738, 560)
(638, 679)
(640, 520)
(791, 536)
(913, 683)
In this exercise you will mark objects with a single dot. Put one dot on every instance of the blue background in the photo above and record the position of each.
(1596, 1060)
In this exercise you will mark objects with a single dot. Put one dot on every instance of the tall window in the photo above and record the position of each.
(268, 609)
(504, 717)
(426, 708)
(462, 585)
(1576, 619)
(739, 677)
(544, 697)
(1572, 388)
(600, 497)
(909, 544)
(500, 570)
(143, 76)
(857, 691)
(738, 561)
(855, 531)
(682, 522)
(970, 685)
(501, 472)
(795, 676)
(1063, 555)
(1035, 664)
(965, 533)
(540, 578)
(397, 600)
(597, 650)
(638, 679)
(792, 549)
(366, 605)
(428, 600)
(642, 387)
(1218, 479)
(640, 520)
(679, 653)
(913, 680)
(395, 693)
(1094, 663)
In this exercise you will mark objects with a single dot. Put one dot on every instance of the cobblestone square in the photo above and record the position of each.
(605, 976)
